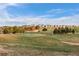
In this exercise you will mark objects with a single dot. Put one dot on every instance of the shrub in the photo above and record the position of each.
(44, 29)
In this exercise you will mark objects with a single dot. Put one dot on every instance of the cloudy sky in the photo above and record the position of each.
(39, 13)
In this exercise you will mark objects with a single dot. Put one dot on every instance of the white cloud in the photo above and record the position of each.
(5, 5)
(70, 20)
(71, 11)
(7, 20)
(4, 15)
(56, 11)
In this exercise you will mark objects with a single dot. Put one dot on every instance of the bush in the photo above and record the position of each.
(44, 29)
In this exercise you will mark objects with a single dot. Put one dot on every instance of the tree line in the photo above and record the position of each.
(17, 29)
(14, 29)
(63, 30)
(23, 29)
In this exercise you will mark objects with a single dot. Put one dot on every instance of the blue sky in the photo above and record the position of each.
(39, 13)
(36, 9)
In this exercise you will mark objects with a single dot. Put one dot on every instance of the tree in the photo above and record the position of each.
(5, 31)
(37, 27)
(15, 30)
(55, 31)
(63, 30)
(73, 31)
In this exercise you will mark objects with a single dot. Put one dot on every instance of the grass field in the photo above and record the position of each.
(39, 43)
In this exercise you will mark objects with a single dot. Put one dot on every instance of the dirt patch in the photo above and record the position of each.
(70, 43)
(4, 52)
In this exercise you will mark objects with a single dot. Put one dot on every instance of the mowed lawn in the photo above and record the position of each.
(39, 43)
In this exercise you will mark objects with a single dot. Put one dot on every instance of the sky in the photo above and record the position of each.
(39, 13)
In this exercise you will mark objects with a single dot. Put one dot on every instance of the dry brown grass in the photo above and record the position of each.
(8, 37)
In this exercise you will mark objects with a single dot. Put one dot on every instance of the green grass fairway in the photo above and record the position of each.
(40, 43)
